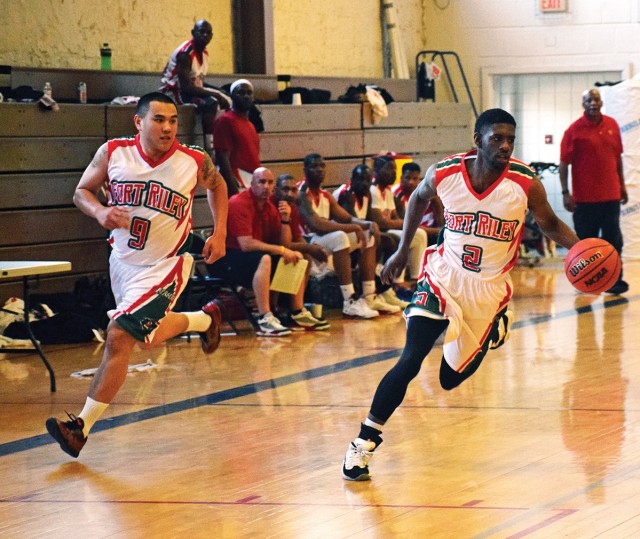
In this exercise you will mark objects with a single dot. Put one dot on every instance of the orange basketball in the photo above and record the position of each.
(592, 265)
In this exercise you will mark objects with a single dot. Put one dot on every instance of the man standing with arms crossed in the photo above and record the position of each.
(150, 182)
(592, 145)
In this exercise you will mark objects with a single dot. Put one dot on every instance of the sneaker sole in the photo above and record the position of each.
(56, 434)
(360, 316)
(361, 477)
(265, 334)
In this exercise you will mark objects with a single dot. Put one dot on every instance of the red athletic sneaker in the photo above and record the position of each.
(68, 434)
(211, 338)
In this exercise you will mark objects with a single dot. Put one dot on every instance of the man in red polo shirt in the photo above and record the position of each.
(258, 234)
(592, 145)
(235, 139)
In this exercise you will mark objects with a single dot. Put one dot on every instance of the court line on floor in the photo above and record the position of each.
(32, 442)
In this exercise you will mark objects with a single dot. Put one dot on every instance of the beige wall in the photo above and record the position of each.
(511, 37)
(338, 38)
(312, 38)
(68, 33)
(332, 37)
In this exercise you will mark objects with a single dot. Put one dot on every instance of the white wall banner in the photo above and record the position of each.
(622, 102)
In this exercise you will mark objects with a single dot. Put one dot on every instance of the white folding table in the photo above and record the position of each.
(27, 269)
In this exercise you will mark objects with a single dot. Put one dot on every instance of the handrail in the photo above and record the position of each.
(442, 55)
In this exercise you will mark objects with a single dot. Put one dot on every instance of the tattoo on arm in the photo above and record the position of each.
(99, 156)
(209, 173)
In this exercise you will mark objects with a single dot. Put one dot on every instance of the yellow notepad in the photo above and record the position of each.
(288, 277)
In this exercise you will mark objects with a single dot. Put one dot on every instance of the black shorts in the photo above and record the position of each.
(238, 267)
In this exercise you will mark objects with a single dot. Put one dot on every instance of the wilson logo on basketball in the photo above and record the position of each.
(593, 280)
(583, 263)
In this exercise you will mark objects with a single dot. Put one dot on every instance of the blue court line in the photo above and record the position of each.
(40, 440)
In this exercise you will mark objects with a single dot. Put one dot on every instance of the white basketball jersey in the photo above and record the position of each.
(159, 196)
(482, 230)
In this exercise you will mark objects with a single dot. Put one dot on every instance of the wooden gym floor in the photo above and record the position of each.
(544, 440)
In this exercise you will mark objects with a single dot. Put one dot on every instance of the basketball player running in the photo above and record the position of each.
(150, 182)
(464, 286)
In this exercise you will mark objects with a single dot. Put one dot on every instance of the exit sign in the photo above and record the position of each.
(553, 6)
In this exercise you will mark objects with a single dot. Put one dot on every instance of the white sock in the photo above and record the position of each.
(347, 291)
(198, 321)
(373, 424)
(91, 413)
(368, 288)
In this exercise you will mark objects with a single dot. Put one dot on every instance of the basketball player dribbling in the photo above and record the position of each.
(150, 182)
(464, 286)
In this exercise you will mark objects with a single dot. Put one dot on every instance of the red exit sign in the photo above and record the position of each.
(547, 6)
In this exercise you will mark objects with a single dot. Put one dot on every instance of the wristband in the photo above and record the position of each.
(282, 249)
(565, 191)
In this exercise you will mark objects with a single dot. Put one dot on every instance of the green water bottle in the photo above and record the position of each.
(105, 57)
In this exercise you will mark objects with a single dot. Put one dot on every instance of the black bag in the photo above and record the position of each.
(325, 290)
(354, 94)
(62, 328)
(308, 96)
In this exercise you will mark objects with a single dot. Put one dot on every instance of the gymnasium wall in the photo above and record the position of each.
(311, 38)
(498, 37)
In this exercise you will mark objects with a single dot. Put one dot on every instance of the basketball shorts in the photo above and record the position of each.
(145, 294)
(469, 304)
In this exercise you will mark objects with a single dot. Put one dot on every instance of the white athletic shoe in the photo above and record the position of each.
(355, 465)
(390, 297)
(377, 303)
(270, 326)
(358, 307)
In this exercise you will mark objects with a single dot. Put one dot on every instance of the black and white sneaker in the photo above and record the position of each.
(355, 465)
(270, 326)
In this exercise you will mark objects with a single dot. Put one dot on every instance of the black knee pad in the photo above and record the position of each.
(449, 378)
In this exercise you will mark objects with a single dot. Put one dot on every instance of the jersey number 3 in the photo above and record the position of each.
(139, 230)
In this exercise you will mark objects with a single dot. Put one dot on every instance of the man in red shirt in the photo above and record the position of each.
(235, 139)
(258, 234)
(592, 145)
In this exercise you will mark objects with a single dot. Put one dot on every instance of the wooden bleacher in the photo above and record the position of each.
(43, 154)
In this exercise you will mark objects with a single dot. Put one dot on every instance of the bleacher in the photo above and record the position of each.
(43, 153)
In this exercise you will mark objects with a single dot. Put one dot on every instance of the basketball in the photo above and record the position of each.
(592, 265)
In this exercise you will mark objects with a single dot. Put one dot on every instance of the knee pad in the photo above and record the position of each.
(449, 379)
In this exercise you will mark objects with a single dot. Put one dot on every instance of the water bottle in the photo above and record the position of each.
(82, 92)
(48, 90)
(105, 57)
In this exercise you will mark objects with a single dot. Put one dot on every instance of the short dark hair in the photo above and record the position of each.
(358, 170)
(492, 117)
(380, 161)
(410, 167)
(284, 178)
(144, 102)
(309, 158)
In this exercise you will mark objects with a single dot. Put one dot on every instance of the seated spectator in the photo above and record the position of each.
(355, 198)
(183, 79)
(329, 225)
(384, 214)
(236, 140)
(286, 190)
(258, 234)
(433, 219)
